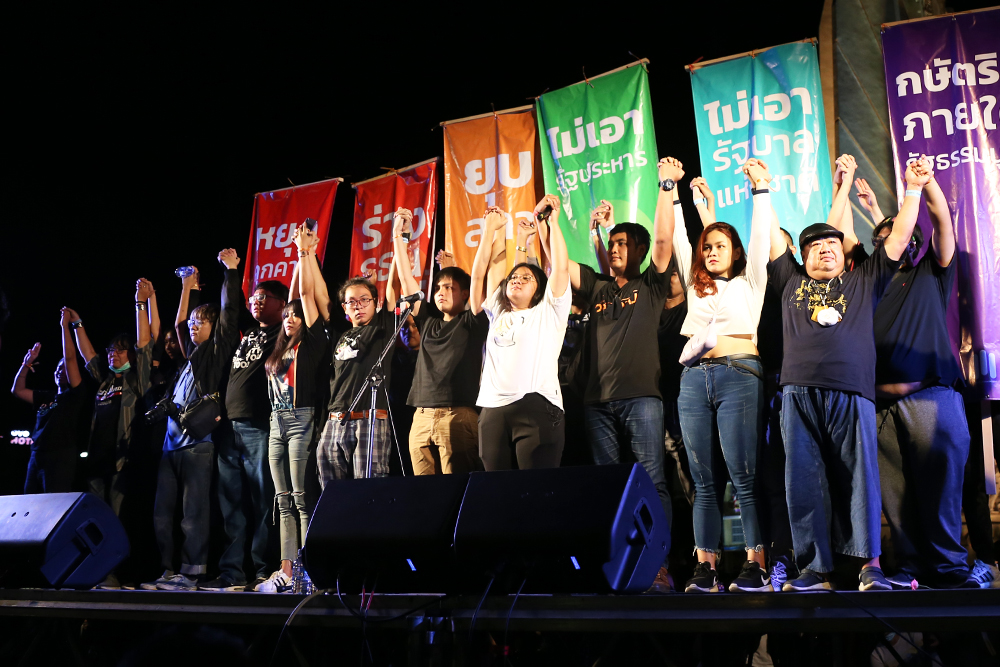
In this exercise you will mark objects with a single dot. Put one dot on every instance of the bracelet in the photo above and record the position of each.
(677, 202)
(520, 249)
(912, 193)
(701, 200)
(76, 325)
(140, 305)
(760, 191)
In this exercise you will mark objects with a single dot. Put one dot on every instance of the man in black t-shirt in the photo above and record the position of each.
(444, 435)
(342, 452)
(828, 381)
(55, 440)
(923, 437)
(623, 407)
(244, 471)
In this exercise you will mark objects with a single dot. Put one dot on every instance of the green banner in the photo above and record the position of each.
(600, 144)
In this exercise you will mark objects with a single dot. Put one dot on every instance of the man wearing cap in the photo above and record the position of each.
(828, 380)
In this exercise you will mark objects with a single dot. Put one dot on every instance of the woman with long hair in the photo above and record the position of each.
(722, 390)
(521, 424)
(292, 385)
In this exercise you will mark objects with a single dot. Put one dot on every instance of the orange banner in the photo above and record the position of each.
(489, 160)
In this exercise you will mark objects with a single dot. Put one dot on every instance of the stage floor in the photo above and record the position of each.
(849, 611)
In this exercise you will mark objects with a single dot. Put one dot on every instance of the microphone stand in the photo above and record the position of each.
(373, 382)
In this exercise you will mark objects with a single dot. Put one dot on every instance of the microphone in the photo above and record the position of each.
(412, 299)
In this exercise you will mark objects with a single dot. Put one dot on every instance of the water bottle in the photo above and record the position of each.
(298, 586)
(184, 271)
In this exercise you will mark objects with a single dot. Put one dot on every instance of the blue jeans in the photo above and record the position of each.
(243, 469)
(720, 410)
(635, 424)
(184, 475)
(923, 444)
(288, 454)
(831, 475)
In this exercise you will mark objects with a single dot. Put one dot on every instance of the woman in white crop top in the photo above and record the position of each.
(722, 396)
(521, 424)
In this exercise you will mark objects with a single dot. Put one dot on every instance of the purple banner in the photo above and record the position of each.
(943, 83)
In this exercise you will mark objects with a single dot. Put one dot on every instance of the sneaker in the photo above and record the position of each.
(987, 576)
(703, 580)
(164, 578)
(110, 583)
(179, 582)
(901, 581)
(752, 579)
(779, 573)
(663, 583)
(220, 584)
(808, 581)
(872, 579)
(278, 582)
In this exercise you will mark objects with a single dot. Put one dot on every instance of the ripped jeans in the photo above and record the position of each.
(288, 452)
(721, 408)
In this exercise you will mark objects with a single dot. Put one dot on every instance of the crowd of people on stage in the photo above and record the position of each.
(825, 391)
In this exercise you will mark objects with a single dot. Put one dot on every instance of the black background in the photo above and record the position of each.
(135, 140)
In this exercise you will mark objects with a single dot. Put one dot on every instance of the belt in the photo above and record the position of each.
(363, 414)
(734, 360)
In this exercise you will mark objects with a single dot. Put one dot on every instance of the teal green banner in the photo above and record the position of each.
(598, 143)
(768, 106)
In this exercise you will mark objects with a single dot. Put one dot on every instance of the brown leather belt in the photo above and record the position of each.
(363, 414)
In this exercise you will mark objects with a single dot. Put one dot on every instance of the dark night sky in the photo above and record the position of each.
(136, 141)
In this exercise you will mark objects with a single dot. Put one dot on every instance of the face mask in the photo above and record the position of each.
(119, 371)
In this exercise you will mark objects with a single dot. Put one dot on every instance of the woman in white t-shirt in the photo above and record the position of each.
(722, 392)
(521, 424)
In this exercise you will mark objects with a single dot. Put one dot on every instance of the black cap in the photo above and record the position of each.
(820, 230)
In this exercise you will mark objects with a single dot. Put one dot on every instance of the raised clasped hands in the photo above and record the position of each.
(919, 173)
(402, 222)
(756, 170)
(445, 259)
(700, 186)
(603, 215)
(846, 166)
(229, 258)
(143, 290)
(548, 201)
(526, 230)
(494, 218)
(305, 239)
(670, 167)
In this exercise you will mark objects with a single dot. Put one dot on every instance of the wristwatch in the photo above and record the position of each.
(667, 184)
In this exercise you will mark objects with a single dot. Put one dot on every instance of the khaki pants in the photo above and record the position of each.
(445, 441)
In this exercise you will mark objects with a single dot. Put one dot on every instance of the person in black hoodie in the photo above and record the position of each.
(186, 466)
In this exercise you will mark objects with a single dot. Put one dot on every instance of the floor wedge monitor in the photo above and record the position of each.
(59, 540)
(392, 533)
(586, 529)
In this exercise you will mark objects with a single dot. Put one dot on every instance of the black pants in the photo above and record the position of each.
(771, 476)
(529, 433)
(975, 502)
(186, 473)
(51, 472)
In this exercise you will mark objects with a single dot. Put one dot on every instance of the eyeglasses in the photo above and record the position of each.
(261, 298)
(196, 324)
(358, 303)
(116, 350)
(519, 278)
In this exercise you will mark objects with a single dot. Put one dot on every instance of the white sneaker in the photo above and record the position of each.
(987, 576)
(165, 578)
(278, 582)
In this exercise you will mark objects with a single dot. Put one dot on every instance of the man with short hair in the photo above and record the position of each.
(623, 405)
(444, 435)
(242, 454)
(828, 404)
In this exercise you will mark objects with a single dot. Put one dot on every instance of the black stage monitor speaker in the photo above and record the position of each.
(62, 540)
(394, 533)
(586, 529)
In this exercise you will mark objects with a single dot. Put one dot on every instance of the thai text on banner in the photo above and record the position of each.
(415, 188)
(271, 253)
(599, 144)
(943, 84)
(768, 105)
(491, 160)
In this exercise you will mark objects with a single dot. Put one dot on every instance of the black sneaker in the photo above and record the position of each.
(872, 579)
(808, 581)
(752, 579)
(703, 580)
(220, 584)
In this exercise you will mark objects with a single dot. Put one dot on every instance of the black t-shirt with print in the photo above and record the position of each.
(58, 420)
(295, 384)
(246, 393)
(841, 356)
(354, 355)
(450, 360)
(623, 354)
(103, 453)
(911, 326)
(671, 344)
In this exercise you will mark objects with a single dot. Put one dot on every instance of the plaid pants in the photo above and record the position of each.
(343, 450)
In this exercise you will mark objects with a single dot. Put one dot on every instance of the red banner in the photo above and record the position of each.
(271, 252)
(415, 188)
